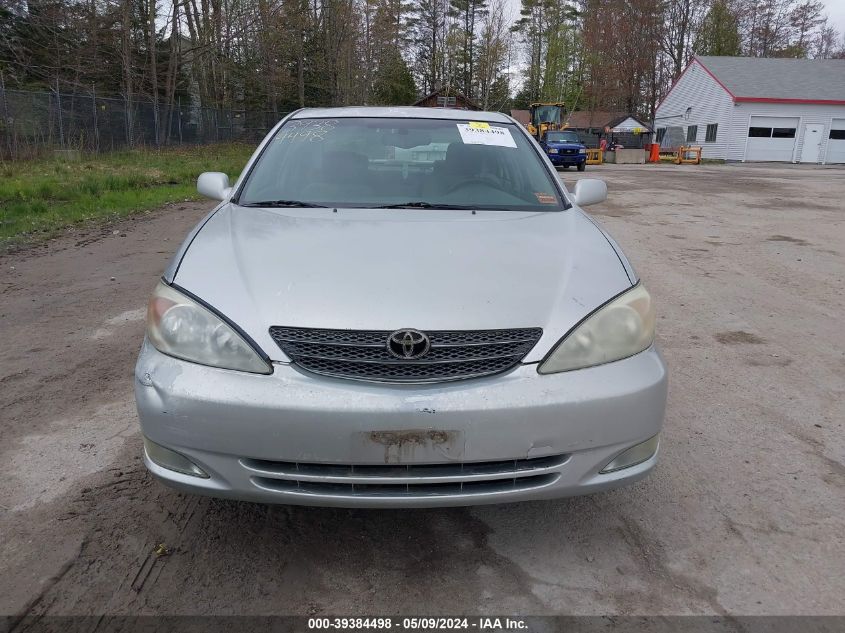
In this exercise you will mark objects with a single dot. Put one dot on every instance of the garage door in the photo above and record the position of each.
(836, 142)
(771, 138)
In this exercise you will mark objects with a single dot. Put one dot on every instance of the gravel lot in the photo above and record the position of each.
(744, 515)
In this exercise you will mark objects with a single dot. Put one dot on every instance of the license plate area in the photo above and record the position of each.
(408, 446)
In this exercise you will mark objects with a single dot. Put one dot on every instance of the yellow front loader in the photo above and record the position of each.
(545, 117)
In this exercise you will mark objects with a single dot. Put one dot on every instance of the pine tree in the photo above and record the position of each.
(429, 24)
(468, 13)
(394, 83)
(499, 98)
(719, 33)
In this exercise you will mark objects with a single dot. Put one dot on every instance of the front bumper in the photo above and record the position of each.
(567, 159)
(298, 439)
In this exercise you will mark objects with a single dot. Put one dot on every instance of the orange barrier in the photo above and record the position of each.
(684, 157)
(595, 156)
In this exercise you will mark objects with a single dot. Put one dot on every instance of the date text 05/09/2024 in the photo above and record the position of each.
(419, 623)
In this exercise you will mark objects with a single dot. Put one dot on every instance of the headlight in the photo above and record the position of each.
(181, 327)
(619, 329)
(583, 150)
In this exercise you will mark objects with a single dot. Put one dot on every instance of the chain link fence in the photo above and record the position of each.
(37, 122)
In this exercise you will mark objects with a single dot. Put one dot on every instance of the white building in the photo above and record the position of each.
(758, 109)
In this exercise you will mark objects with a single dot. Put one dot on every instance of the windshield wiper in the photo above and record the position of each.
(283, 203)
(425, 205)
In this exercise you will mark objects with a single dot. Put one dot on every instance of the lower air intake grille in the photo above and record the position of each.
(406, 480)
(445, 489)
(364, 354)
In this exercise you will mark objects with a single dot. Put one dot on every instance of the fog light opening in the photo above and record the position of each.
(172, 460)
(635, 455)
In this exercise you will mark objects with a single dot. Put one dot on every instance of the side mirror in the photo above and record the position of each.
(589, 191)
(214, 185)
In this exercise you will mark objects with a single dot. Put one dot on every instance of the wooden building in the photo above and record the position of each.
(447, 98)
(621, 127)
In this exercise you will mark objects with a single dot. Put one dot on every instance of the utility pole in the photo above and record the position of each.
(94, 112)
(7, 132)
(61, 126)
(179, 117)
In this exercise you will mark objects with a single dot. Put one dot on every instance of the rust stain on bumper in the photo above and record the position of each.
(403, 445)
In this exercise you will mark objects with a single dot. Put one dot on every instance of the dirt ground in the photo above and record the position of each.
(744, 515)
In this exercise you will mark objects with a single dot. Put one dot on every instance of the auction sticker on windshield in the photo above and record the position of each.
(474, 134)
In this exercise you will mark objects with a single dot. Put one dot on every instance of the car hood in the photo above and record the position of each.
(565, 145)
(378, 269)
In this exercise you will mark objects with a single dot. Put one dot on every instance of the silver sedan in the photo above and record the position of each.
(399, 307)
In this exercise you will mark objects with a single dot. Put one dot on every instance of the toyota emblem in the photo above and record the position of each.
(408, 344)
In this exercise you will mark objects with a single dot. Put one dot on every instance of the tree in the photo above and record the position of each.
(825, 45)
(394, 83)
(468, 13)
(623, 55)
(529, 26)
(681, 22)
(429, 35)
(275, 55)
(562, 77)
(805, 19)
(719, 32)
(550, 33)
(493, 50)
(499, 98)
(768, 26)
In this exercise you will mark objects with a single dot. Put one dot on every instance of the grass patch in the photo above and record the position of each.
(39, 197)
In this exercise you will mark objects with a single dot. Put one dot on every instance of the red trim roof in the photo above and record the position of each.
(709, 72)
(675, 83)
(775, 100)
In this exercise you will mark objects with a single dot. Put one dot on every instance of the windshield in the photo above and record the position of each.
(546, 114)
(562, 137)
(373, 162)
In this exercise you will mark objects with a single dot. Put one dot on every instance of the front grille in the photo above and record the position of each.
(445, 489)
(405, 480)
(569, 151)
(296, 470)
(363, 354)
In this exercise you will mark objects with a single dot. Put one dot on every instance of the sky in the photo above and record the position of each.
(835, 10)
(836, 13)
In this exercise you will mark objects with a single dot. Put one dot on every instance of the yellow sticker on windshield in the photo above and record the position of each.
(487, 135)
(479, 125)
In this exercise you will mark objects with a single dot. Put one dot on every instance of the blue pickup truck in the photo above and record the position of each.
(564, 149)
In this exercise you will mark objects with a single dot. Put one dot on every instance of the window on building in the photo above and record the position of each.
(661, 132)
(445, 102)
(692, 133)
(710, 137)
(768, 132)
(838, 135)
